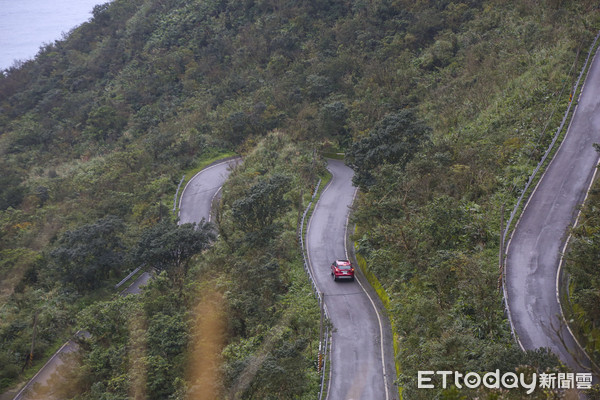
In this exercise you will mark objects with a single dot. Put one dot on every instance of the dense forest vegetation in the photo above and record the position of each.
(442, 107)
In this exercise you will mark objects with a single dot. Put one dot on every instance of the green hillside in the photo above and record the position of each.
(443, 109)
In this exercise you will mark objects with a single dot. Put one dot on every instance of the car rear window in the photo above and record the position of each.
(344, 266)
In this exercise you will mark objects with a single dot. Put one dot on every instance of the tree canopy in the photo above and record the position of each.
(395, 139)
(169, 247)
(85, 257)
(262, 204)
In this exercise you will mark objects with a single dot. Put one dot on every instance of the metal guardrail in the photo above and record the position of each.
(176, 193)
(322, 345)
(302, 247)
(132, 273)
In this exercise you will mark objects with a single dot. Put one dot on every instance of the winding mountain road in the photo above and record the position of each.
(195, 205)
(199, 193)
(362, 365)
(534, 251)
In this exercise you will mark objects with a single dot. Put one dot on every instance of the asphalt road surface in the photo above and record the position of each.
(362, 366)
(49, 380)
(202, 189)
(195, 205)
(136, 286)
(534, 252)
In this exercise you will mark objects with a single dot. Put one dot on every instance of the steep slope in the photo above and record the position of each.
(458, 97)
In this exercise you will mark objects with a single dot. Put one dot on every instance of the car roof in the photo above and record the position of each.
(343, 262)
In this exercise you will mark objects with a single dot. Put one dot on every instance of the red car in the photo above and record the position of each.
(342, 269)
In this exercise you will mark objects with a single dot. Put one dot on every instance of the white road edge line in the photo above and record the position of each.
(387, 396)
(561, 262)
(362, 287)
(313, 274)
(527, 203)
(26, 387)
(523, 212)
(194, 177)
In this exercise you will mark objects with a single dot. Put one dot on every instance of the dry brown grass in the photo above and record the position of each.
(208, 338)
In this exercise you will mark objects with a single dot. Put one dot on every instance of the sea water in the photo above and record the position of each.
(26, 25)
